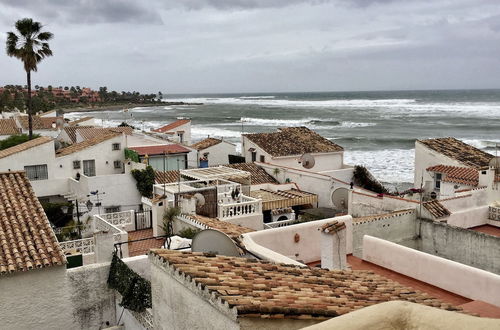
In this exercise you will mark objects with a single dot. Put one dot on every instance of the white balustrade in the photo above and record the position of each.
(83, 246)
(247, 206)
(119, 218)
(494, 213)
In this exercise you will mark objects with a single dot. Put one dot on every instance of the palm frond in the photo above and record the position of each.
(45, 36)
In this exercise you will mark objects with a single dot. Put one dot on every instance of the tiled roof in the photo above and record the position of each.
(332, 227)
(436, 209)
(160, 149)
(230, 229)
(258, 174)
(91, 132)
(204, 144)
(85, 144)
(79, 120)
(47, 123)
(172, 126)
(166, 176)
(26, 239)
(292, 141)
(460, 151)
(8, 127)
(383, 216)
(24, 146)
(455, 174)
(71, 131)
(283, 198)
(267, 290)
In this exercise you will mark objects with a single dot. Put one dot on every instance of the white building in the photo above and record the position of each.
(294, 147)
(447, 165)
(211, 152)
(179, 131)
(46, 126)
(163, 157)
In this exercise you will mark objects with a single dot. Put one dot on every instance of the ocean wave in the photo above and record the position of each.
(199, 132)
(483, 144)
(388, 165)
(323, 123)
(273, 102)
(257, 97)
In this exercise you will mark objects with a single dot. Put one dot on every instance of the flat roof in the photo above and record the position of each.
(487, 229)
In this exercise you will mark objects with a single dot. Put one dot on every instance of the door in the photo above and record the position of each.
(89, 167)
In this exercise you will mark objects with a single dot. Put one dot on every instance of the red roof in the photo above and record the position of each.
(171, 126)
(160, 149)
(455, 174)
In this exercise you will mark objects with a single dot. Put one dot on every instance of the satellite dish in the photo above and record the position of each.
(340, 197)
(200, 199)
(214, 241)
(307, 161)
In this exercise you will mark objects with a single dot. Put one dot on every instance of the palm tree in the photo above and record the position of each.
(168, 221)
(31, 47)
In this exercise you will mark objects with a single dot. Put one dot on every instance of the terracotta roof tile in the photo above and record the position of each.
(172, 126)
(292, 141)
(263, 289)
(332, 227)
(9, 127)
(230, 229)
(368, 218)
(204, 144)
(26, 239)
(159, 149)
(86, 144)
(436, 209)
(283, 198)
(71, 131)
(88, 133)
(460, 151)
(79, 120)
(24, 146)
(455, 174)
(45, 123)
(166, 176)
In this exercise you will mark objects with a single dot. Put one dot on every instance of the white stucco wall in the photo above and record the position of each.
(177, 306)
(102, 153)
(452, 276)
(322, 185)
(282, 240)
(219, 153)
(365, 204)
(39, 155)
(56, 298)
(424, 158)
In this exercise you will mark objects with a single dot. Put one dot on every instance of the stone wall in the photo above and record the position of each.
(461, 245)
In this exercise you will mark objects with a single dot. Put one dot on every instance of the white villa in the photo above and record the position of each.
(212, 151)
(179, 131)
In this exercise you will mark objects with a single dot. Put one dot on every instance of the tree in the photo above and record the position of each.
(31, 46)
(168, 221)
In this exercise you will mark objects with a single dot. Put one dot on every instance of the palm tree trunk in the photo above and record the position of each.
(30, 119)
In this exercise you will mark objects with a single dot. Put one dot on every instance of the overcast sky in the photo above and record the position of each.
(202, 46)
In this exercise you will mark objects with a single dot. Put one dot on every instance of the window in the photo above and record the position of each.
(262, 159)
(76, 164)
(116, 146)
(112, 209)
(118, 163)
(181, 137)
(37, 172)
(437, 180)
(89, 167)
(254, 156)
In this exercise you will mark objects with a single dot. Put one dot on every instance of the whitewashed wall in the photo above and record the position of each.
(451, 276)
(219, 153)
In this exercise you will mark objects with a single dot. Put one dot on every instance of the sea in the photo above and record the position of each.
(377, 129)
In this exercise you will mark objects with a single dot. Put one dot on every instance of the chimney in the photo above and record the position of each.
(333, 245)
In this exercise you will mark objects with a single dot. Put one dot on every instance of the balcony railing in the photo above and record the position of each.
(83, 246)
(119, 218)
(247, 206)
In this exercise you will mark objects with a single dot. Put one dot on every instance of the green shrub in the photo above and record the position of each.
(145, 181)
(14, 140)
(188, 232)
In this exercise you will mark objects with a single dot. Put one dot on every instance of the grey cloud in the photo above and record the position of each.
(89, 11)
